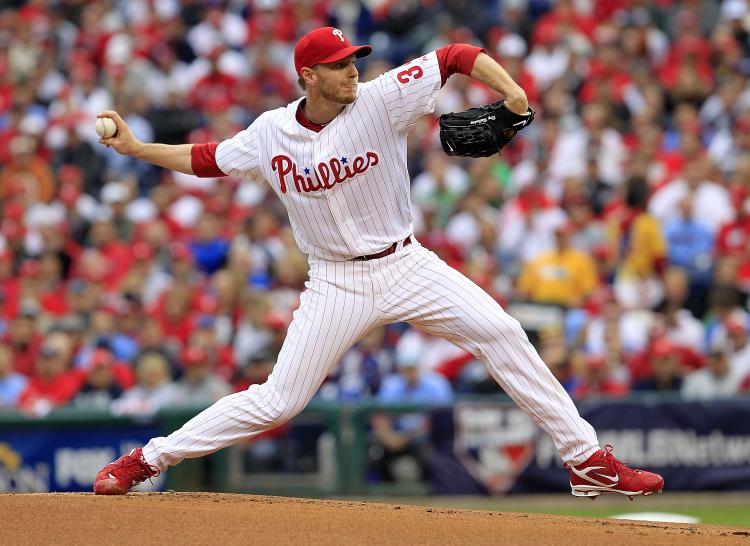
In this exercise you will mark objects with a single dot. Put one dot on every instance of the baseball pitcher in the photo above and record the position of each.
(337, 160)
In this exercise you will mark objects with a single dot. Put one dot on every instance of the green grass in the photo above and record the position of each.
(720, 508)
(736, 516)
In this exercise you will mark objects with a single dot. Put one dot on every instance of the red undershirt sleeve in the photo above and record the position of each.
(457, 59)
(203, 160)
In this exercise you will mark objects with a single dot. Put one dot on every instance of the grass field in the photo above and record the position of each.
(713, 508)
(738, 516)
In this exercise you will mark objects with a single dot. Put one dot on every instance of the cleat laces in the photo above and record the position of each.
(615, 463)
(134, 470)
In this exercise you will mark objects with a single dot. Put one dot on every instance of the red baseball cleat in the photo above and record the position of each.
(603, 473)
(128, 471)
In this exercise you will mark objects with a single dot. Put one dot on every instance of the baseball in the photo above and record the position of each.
(105, 127)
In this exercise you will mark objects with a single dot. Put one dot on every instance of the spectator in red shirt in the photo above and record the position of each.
(687, 76)
(52, 297)
(597, 380)
(608, 78)
(218, 124)
(118, 258)
(100, 386)
(279, 20)
(215, 87)
(10, 286)
(6, 87)
(54, 384)
(565, 17)
(23, 338)
(665, 374)
(268, 86)
(743, 268)
(733, 237)
(643, 366)
(175, 315)
(218, 355)
(163, 197)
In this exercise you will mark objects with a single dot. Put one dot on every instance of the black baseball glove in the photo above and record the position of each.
(482, 131)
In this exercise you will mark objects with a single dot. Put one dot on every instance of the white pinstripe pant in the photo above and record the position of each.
(341, 303)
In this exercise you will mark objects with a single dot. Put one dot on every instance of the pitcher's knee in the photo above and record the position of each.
(276, 406)
(501, 329)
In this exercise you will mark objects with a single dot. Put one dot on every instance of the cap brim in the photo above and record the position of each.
(359, 51)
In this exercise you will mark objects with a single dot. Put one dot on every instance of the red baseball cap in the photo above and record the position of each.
(325, 45)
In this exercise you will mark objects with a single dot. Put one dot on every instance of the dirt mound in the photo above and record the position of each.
(209, 518)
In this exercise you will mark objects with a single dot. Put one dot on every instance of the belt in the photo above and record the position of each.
(383, 253)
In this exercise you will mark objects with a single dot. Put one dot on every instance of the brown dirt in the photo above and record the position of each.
(211, 518)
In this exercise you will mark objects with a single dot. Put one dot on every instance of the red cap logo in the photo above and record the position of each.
(325, 45)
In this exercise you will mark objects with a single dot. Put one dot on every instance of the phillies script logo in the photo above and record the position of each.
(323, 177)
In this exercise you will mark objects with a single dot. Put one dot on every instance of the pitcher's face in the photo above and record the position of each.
(337, 82)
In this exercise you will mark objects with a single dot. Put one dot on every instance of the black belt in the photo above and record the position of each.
(383, 253)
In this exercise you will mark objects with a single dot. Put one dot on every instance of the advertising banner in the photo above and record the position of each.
(64, 459)
(695, 446)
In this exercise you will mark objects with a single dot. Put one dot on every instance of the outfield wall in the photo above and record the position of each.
(476, 446)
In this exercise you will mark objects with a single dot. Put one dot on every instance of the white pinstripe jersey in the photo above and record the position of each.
(346, 188)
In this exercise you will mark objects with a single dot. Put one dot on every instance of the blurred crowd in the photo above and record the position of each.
(623, 212)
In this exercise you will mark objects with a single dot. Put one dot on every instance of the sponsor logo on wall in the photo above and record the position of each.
(494, 443)
(502, 449)
(64, 460)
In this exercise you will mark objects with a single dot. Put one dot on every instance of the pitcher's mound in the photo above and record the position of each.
(211, 518)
